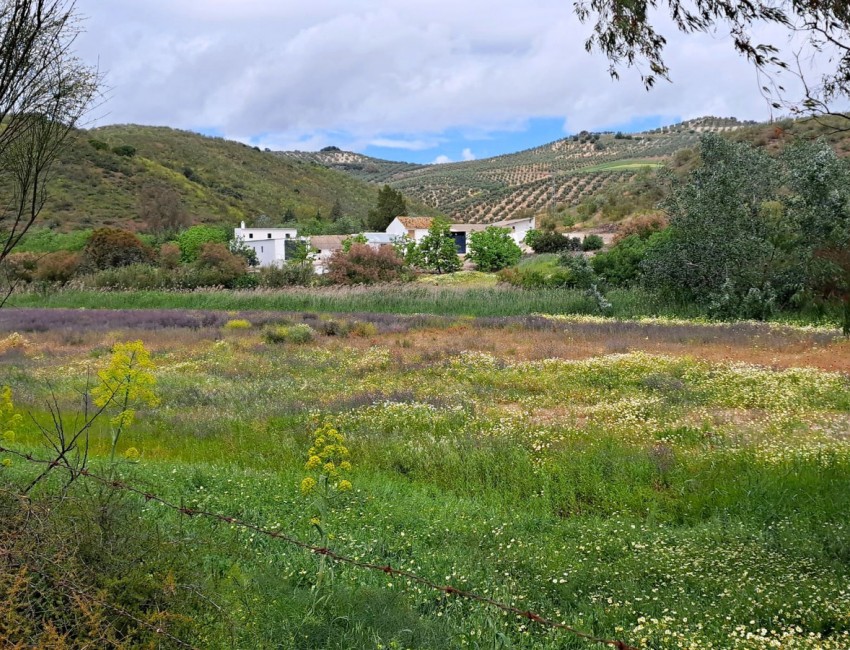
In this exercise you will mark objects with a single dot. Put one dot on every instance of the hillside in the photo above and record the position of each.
(562, 173)
(219, 181)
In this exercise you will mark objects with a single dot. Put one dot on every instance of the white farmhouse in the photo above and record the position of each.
(416, 228)
(269, 243)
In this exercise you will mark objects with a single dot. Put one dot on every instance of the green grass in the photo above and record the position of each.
(395, 299)
(622, 165)
(606, 493)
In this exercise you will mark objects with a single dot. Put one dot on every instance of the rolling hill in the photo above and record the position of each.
(99, 178)
(561, 173)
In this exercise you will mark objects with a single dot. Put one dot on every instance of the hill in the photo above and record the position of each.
(99, 178)
(562, 173)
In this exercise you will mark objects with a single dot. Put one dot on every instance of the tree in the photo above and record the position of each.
(44, 92)
(161, 208)
(390, 205)
(493, 249)
(717, 231)
(437, 251)
(624, 33)
(336, 211)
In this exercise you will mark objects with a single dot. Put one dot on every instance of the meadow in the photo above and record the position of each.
(666, 484)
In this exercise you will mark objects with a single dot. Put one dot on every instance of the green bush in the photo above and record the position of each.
(190, 241)
(592, 243)
(125, 150)
(298, 334)
(288, 275)
(493, 249)
(553, 242)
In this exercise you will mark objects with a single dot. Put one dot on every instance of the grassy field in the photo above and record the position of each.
(669, 485)
(464, 294)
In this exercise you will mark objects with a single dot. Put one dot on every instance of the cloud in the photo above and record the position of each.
(361, 72)
(467, 154)
(441, 160)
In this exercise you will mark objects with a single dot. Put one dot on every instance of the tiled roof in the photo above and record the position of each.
(416, 223)
(327, 242)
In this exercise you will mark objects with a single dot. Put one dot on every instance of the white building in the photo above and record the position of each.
(268, 243)
(416, 228)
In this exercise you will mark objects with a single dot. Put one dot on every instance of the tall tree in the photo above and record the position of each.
(44, 92)
(390, 205)
(336, 211)
(161, 208)
(624, 32)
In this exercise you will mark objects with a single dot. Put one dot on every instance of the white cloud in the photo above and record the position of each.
(441, 160)
(355, 72)
(467, 154)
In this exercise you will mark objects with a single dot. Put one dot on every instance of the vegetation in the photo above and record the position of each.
(391, 204)
(362, 264)
(437, 250)
(493, 249)
(648, 496)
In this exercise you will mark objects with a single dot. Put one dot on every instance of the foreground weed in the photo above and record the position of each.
(126, 383)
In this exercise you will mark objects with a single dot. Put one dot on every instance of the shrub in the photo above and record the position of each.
(237, 324)
(98, 145)
(437, 251)
(135, 276)
(218, 266)
(644, 226)
(169, 256)
(360, 328)
(553, 242)
(191, 240)
(621, 265)
(57, 267)
(287, 275)
(126, 150)
(363, 264)
(581, 272)
(297, 334)
(493, 249)
(592, 243)
(21, 267)
(113, 247)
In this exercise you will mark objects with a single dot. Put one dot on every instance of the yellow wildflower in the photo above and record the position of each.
(307, 485)
(344, 486)
(314, 462)
(7, 462)
(345, 466)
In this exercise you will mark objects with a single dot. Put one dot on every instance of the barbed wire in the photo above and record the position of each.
(449, 590)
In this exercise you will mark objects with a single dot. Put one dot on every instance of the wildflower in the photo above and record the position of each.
(307, 485)
(329, 469)
(344, 486)
(315, 521)
(345, 466)
(314, 462)
(132, 454)
(7, 462)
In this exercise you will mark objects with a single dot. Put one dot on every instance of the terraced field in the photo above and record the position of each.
(560, 173)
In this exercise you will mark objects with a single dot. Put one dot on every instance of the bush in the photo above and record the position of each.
(581, 273)
(57, 267)
(218, 266)
(136, 276)
(113, 247)
(644, 226)
(493, 249)
(126, 150)
(622, 265)
(98, 145)
(592, 243)
(288, 275)
(297, 334)
(237, 324)
(552, 242)
(363, 264)
(191, 240)
(21, 267)
(169, 256)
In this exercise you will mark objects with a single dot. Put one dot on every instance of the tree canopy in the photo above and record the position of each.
(390, 205)
(624, 31)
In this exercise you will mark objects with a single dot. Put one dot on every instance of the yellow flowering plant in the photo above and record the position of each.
(9, 421)
(126, 383)
(328, 467)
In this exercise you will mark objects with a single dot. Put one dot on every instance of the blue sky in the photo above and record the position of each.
(414, 80)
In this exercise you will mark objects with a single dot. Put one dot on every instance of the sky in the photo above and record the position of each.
(425, 81)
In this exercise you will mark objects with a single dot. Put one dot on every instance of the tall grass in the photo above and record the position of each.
(393, 299)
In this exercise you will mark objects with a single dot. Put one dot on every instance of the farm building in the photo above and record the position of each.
(416, 228)
(272, 245)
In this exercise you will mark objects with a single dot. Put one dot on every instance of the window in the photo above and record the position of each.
(250, 235)
(270, 235)
(287, 235)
